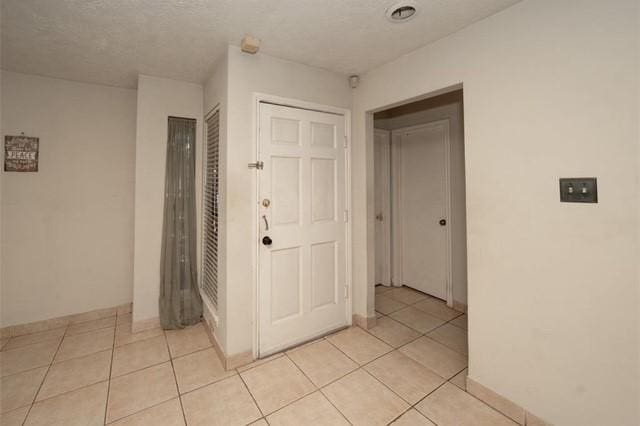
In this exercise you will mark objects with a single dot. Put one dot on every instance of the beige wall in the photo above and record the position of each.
(248, 74)
(550, 91)
(457, 221)
(638, 191)
(1, 183)
(67, 230)
(158, 98)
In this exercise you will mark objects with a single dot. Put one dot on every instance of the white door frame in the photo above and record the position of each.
(386, 207)
(396, 204)
(295, 103)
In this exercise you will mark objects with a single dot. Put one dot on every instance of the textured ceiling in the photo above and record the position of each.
(111, 41)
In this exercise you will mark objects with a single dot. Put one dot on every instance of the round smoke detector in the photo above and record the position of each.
(401, 12)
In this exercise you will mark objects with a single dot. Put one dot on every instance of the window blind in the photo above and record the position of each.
(210, 210)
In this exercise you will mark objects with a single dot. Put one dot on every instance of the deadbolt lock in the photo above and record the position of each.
(266, 202)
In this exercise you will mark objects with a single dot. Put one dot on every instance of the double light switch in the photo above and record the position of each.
(579, 190)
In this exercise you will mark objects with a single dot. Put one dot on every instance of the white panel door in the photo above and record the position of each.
(424, 207)
(382, 184)
(302, 272)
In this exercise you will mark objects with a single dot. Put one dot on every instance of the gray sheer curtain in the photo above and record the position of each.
(180, 302)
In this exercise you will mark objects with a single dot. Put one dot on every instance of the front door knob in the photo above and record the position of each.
(267, 241)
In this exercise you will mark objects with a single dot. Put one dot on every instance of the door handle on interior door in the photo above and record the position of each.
(442, 222)
(267, 241)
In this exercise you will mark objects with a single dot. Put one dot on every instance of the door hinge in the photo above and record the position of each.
(346, 291)
(345, 141)
(259, 165)
(346, 215)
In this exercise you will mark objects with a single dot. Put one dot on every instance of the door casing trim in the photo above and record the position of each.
(299, 104)
(387, 208)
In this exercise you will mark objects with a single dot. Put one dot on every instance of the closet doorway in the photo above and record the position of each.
(420, 201)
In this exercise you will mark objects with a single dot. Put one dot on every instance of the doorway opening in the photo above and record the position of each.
(420, 214)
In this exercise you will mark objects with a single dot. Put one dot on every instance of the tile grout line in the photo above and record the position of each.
(368, 362)
(266, 361)
(426, 313)
(25, 371)
(175, 377)
(401, 346)
(114, 316)
(253, 397)
(413, 406)
(470, 394)
(51, 339)
(318, 389)
(331, 402)
(141, 340)
(72, 390)
(140, 369)
(113, 352)
(294, 401)
(425, 334)
(426, 297)
(33, 402)
(362, 367)
(145, 368)
(183, 355)
(391, 390)
(284, 353)
(69, 391)
(208, 384)
(484, 403)
(140, 411)
(433, 391)
(344, 353)
(344, 375)
(466, 355)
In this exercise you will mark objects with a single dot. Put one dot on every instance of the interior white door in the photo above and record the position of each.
(302, 287)
(382, 182)
(423, 187)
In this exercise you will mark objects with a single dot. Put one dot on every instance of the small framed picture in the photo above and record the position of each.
(21, 153)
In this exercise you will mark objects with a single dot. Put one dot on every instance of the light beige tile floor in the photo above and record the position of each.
(451, 336)
(414, 318)
(387, 305)
(413, 418)
(97, 372)
(359, 345)
(393, 332)
(460, 379)
(276, 384)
